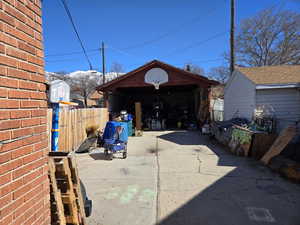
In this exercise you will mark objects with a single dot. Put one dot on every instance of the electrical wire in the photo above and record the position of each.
(182, 26)
(206, 61)
(179, 65)
(121, 51)
(164, 35)
(70, 53)
(68, 60)
(196, 44)
(76, 31)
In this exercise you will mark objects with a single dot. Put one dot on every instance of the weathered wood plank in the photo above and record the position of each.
(138, 116)
(282, 140)
(57, 199)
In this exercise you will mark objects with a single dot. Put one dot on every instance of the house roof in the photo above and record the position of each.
(282, 74)
(150, 65)
(95, 95)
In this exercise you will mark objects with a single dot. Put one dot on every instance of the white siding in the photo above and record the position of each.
(239, 97)
(286, 104)
(217, 109)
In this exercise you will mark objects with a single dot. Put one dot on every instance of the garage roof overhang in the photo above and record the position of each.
(177, 77)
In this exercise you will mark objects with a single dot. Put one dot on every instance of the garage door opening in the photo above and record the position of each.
(166, 108)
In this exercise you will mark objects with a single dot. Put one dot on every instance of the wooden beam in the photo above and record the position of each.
(138, 116)
(280, 143)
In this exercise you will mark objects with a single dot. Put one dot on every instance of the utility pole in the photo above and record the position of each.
(232, 31)
(103, 63)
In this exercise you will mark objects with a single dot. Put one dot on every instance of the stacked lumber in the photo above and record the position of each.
(67, 205)
(286, 167)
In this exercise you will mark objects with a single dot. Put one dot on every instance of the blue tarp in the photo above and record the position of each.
(110, 131)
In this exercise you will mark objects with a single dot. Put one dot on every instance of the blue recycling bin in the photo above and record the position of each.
(129, 127)
(110, 131)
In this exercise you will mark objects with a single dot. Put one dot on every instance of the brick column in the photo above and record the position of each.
(24, 185)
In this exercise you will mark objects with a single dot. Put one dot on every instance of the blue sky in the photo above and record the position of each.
(138, 31)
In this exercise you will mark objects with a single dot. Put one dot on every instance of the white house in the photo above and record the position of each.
(273, 87)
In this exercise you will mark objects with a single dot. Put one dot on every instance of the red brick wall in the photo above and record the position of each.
(24, 185)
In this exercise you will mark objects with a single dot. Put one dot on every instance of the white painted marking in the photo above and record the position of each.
(147, 195)
(260, 214)
(129, 195)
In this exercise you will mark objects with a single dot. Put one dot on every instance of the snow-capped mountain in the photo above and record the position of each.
(50, 76)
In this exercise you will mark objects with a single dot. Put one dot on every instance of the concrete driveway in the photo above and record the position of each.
(180, 178)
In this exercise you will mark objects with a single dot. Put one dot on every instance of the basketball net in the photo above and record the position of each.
(156, 84)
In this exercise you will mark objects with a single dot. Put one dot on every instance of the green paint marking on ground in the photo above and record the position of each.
(129, 194)
(147, 195)
(113, 193)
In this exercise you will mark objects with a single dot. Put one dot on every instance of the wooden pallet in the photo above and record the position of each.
(64, 178)
(77, 187)
(57, 208)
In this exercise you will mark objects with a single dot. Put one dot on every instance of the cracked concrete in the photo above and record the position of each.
(179, 178)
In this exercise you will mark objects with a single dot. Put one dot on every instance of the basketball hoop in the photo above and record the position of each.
(156, 77)
(156, 85)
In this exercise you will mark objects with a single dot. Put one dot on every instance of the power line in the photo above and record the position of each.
(61, 60)
(164, 35)
(196, 43)
(70, 53)
(66, 60)
(125, 53)
(178, 64)
(137, 45)
(232, 36)
(92, 50)
(206, 61)
(77, 34)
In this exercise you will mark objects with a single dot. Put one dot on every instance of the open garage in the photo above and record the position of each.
(180, 101)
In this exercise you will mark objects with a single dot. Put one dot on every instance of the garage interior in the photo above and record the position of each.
(176, 105)
(181, 103)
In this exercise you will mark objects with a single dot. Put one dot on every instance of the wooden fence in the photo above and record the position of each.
(73, 124)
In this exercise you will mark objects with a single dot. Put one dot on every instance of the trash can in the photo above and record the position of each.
(110, 130)
(129, 124)
(130, 128)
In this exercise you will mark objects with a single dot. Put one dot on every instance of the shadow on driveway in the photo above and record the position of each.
(250, 194)
(181, 137)
(99, 156)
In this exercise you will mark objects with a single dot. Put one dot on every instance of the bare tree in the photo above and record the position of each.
(117, 68)
(220, 73)
(84, 86)
(270, 38)
(81, 85)
(194, 68)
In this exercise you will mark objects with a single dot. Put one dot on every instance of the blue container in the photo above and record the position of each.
(110, 131)
(130, 117)
(130, 128)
